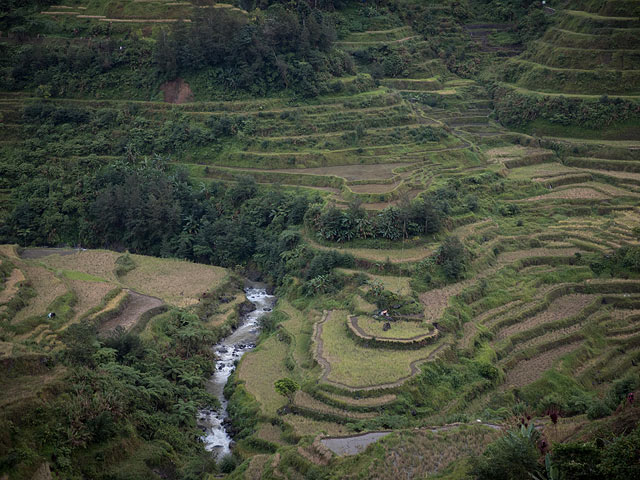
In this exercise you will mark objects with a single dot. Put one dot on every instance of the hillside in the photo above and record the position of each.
(471, 169)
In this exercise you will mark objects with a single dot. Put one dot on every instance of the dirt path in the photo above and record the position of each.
(31, 253)
(354, 444)
(137, 305)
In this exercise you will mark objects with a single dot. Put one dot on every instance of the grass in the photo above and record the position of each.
(47, 286)
(541, 93)
(304, 426)
(81, 276)
(260, 368)
(96, 263)
(90, 294)
(396, 255)
(176, 282)
(355, 365)
(528, 371)
(400, 285)
(422, 452)
(398, 329)
(299, 325)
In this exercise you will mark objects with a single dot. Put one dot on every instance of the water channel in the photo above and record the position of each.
(228, 352)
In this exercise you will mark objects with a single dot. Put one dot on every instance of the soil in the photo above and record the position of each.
(32, 253)
(177, 91)
(528, 371)
(561, 308)
(571, 194)
(136, 306)
(374, 187)
(437, 300)
(352, 445)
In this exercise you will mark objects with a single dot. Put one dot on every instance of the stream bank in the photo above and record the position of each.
(229, 350)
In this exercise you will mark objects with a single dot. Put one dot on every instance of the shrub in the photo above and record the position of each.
(228, 463)
(512, 457)
(452, 257)
(124, 264)
(598, 409)
(488, 371)
(286, 387)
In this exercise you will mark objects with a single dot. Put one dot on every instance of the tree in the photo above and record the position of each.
(620, 458)
(287, 388)
(451, 256)
(512, 457)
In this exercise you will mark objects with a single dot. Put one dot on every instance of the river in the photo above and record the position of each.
(228, 352)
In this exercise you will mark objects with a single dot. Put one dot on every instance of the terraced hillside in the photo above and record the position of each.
(591, 49)
(580, 79)
(137, 12)
(47, 290)
(447, 211)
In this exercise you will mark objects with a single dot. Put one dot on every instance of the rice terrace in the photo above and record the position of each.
(320, 239)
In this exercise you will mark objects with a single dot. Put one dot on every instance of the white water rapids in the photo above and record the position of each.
(228, 352)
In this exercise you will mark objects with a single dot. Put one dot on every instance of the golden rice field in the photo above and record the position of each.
(260, 368)
(47, 286)
(176, 282)
(358, 366)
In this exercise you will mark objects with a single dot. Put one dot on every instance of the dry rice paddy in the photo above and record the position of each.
(402, 255)
(436, 301)
(500, 154)
(511, 257)
(305, 400)
(89, 295)
(379, 171)
(47, 286)
(157, 277)
(11, 285)
(99, 263)
(425, 453)
(176, 282)
(374, 188)
(560, 308)
(528, 371)
(364, 402)
(541, 170)
(581, 193)
(307, 426)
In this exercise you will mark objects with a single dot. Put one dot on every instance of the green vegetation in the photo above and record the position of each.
(443, 196)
